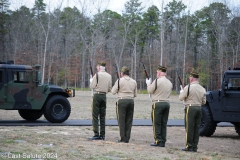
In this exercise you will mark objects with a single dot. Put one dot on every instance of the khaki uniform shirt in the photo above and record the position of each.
(127, 88)
(196, 97)
(104, 84)
(163, 91)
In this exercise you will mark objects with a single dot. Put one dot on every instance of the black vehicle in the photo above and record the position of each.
(222, 105)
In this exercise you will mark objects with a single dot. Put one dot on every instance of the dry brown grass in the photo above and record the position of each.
(69, 142)
(81, 107)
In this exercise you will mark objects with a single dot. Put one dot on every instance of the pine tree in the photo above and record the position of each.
(4, 4)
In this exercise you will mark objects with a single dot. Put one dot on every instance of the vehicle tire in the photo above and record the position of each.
(208, 126)
(57, 109)
(30, 115)
(237, 128)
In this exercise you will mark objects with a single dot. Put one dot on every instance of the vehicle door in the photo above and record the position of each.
(2, 88)
(20, 89)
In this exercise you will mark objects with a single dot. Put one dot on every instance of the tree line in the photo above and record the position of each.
(63, 41)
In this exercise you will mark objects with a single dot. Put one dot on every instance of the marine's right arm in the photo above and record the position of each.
(151, 87)
(94, 82)
(115, 88)
(183, 94)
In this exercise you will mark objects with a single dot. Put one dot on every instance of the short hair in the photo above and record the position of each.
(102, 67)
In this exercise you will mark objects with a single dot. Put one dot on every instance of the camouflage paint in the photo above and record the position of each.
(16, 95)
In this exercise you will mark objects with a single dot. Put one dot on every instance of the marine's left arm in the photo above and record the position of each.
(115, 88)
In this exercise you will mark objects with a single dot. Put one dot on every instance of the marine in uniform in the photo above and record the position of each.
(101, 83)
(194, 96)
(126, 88)
(160, 90)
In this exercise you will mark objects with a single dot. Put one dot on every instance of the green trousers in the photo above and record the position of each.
(99, 111)
(193, 120)
(124, 112)
(160, 112)
(185, 112)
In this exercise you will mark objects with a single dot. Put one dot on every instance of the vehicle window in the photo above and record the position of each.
(234, 83)
(21, 77)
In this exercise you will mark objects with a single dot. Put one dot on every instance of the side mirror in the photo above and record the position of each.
(224, 85)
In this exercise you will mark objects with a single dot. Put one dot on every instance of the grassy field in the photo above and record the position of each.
(70, 142)
(81, 107)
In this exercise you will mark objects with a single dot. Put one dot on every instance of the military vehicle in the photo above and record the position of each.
(20, 89)
(222, 105)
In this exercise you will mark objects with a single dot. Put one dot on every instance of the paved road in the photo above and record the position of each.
(136, 122)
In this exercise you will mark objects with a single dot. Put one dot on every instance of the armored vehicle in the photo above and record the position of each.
(222, 105)
(20, 89)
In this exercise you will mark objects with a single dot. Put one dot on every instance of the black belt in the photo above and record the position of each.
(160, 101)
(189, 105)
(100, 92)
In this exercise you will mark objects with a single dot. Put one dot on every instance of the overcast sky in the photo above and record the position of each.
(118, 5)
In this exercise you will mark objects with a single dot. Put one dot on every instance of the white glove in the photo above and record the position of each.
(181, 91)
(91, 79)
(181, 87)
(148, 81)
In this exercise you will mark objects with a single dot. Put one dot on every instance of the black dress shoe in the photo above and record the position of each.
(160, 144)
(188, 150)
(154, 144)
(194, 149)
(120, 141)
(102, 137)
(94, 138)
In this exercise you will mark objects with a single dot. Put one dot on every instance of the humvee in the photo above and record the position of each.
(222, 105)
(20, 89)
